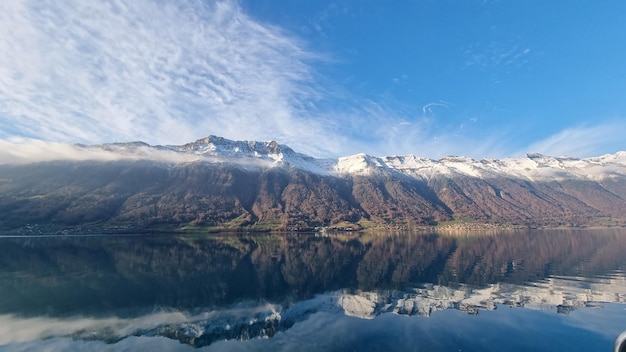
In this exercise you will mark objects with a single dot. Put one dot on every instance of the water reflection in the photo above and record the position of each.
(200, 289)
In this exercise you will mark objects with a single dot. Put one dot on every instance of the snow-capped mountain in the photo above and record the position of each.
(214, 149)
(227, 184)
(533, 166)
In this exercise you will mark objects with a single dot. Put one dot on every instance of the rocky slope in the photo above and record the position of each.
(223, 184)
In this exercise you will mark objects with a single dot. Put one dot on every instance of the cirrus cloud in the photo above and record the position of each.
(582, 141)
(171, 72)
(163, 72)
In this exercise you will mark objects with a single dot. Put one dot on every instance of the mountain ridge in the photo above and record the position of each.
(220, 184)
(532, 165)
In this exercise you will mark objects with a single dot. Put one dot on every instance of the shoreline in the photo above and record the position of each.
(86, 230)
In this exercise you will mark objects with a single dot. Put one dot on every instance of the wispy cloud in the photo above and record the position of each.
(583, 141)
(497, 54)
(171, 72)
(158, 71)
(22, 151)
(427, 109)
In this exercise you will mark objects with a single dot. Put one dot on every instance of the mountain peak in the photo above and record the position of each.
(533, 166)
(535, 156)
(232, 184)
(222, 147)
(360, 164)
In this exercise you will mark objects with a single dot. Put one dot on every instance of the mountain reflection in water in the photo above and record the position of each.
(200, 290)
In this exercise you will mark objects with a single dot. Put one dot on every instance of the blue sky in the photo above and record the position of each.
(329, 78)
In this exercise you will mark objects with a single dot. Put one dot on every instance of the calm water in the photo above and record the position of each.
(528, 290)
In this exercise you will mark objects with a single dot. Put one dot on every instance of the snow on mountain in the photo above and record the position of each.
(218, 146)
(271, 152)
(359, 164)
(533, 166)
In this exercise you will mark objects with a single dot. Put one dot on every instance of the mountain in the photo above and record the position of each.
(216, 183)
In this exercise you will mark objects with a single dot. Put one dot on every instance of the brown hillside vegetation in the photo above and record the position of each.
(221, 196)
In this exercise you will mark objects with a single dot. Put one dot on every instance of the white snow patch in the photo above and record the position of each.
(270, 154)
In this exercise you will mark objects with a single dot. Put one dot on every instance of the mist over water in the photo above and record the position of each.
(278, 291)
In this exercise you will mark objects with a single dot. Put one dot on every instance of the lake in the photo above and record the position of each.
(539, 290)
